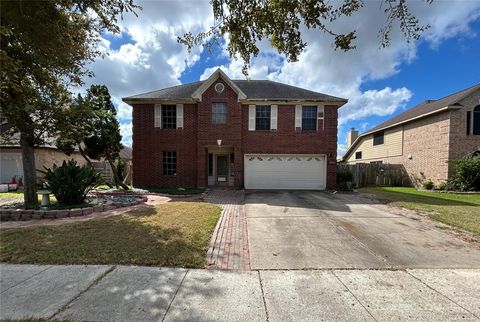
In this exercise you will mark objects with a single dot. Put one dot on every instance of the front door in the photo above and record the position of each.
(222, 168)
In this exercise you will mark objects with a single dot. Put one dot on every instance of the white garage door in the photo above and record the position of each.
(286, 171)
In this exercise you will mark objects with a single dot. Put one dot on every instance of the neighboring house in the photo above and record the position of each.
(46, 156)
(424, 138)
(256, 134)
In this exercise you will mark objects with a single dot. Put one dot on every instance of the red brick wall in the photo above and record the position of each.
(230, 133)
(199, 132)
(150, 142)
(286, 139)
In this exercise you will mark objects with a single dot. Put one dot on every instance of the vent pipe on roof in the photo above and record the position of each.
(352, 135)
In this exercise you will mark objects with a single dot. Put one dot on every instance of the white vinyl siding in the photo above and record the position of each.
(251, 117)
(158, 116)
(392, 146)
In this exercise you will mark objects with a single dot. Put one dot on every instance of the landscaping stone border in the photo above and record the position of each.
(23, 214)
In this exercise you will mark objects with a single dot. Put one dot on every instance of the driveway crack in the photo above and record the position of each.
(438, 292)
(356, 298)
(263, 296)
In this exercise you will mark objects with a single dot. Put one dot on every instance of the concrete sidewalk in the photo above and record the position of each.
(97, 293)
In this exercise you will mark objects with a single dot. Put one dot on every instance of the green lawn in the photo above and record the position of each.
(177, 191)
(14, 199)
(172, 234)
(458, 210)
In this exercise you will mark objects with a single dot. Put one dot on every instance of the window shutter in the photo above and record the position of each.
(179, 116)
(298, 116)
(273, 117)
(321, 116)
(251, 117)
(158, 116)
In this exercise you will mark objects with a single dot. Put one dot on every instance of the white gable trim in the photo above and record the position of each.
(206, 84)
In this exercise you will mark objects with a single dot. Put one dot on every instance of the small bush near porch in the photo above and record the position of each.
(172, 234)
(458, 210)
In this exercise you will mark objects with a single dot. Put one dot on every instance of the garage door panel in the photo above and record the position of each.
(285, 172)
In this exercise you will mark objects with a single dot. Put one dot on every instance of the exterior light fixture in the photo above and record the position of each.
(219, 142)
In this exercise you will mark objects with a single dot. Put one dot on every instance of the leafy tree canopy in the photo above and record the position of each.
(279, 21)
(45, 48)
(91, 126)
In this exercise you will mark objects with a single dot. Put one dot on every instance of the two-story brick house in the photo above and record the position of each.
(423, 138)
(256, 134)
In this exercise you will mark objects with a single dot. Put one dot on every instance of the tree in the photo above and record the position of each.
(45, 49)
(91, 126)
(279, 21)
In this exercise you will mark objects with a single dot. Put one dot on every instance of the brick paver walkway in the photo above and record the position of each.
(229, 245)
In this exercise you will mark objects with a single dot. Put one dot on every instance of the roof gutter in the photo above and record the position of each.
(131, 101)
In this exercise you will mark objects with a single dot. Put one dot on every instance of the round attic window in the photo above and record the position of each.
(219, 87)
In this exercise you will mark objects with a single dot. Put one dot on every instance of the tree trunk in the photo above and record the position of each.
(29, 171)
(84, 155)
(116, 179)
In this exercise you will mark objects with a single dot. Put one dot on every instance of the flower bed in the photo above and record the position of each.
(112, 202)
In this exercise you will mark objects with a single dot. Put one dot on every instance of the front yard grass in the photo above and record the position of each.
(172, 234)
(458, 210)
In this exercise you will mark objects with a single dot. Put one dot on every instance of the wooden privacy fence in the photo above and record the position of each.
(376, 174)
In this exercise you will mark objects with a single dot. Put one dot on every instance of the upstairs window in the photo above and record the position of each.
(378, 138)
(219, 113)
(169, 163)
(169, 116)
(262, 117)
(309, 118)
(358, 155)
(476, 120)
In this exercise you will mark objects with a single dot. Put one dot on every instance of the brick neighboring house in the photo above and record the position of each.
(424, 138)
(256, 134)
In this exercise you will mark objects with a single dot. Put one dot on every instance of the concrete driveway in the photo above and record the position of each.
(306, 229)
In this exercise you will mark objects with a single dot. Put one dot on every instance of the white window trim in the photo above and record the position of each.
(251, 117)
(179, 116)
(157, 118)
(298, 117)
(321, 119)
(273, 117)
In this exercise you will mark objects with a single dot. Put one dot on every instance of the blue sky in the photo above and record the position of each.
(379, 83)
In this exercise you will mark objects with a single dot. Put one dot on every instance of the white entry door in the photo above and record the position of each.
(285, 171)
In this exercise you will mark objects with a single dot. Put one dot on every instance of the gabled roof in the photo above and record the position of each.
(248, 90)
(426, 108)
(209, 82)
(423, 109)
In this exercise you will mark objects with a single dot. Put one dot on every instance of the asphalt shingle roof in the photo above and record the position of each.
(426, 107)
(254, 89)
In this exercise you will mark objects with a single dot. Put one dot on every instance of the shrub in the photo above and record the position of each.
(70, 182)
(442, 185)
(466, 176)
(344, 180)
(427, 184)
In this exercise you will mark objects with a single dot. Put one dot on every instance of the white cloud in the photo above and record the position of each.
(126, 132)
(155, 60)
(339, 73)
(374, 102)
